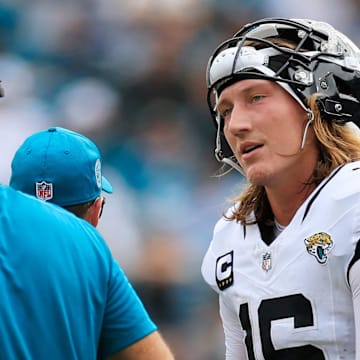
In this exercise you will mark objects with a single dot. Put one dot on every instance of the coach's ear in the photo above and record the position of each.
(94, 212)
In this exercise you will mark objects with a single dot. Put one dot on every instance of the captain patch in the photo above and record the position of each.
(224, 270)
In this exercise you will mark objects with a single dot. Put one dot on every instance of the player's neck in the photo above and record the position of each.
(285, 203)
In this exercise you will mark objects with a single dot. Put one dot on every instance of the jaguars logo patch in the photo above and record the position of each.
(319, 246)
(224, 271)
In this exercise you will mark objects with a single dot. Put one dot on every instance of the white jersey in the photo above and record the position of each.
(291, 299)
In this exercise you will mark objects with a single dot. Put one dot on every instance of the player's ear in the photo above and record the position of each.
(94, 213)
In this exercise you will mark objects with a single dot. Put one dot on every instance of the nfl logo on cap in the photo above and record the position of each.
(44, 190)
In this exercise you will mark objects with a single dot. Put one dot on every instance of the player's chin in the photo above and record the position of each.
(257, 174)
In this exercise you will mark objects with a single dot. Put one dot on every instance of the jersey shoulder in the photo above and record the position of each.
(226, 234)
(344, 181)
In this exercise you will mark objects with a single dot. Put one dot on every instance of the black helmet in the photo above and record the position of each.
(321, 60)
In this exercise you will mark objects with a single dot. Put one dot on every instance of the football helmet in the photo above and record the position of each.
(316, 59)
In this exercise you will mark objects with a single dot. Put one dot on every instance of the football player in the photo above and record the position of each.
(284, 259)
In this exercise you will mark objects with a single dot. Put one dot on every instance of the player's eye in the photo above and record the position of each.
(225, 113)
(257, 98)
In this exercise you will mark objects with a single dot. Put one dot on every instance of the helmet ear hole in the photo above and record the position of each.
(351, 88)
(343, 87)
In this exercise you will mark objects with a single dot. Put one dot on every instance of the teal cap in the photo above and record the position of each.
(60, 166)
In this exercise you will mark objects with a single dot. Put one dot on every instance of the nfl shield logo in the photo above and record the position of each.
(44, 190)
(266, 261)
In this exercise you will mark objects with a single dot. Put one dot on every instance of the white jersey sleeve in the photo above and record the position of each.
(354, 278)
(234, 335)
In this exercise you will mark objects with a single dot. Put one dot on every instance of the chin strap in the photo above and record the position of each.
(310, 115)
(233, 165)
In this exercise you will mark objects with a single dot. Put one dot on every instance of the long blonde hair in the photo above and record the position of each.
(338, 144)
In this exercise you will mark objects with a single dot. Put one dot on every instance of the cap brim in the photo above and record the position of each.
(106, 186)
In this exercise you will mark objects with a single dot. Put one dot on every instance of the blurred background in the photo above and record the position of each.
(131, 76)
